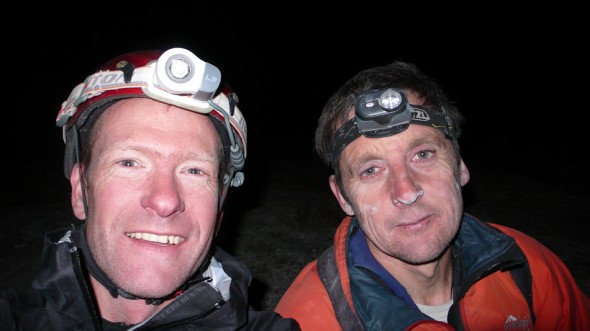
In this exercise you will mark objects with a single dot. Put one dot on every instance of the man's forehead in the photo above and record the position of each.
(414, 136)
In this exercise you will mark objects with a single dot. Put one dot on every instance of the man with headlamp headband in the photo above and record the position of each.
(406, 256)
(153, 140)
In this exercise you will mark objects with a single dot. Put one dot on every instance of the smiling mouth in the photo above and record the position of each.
(151, 237)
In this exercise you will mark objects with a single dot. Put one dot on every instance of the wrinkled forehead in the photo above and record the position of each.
(145, 112)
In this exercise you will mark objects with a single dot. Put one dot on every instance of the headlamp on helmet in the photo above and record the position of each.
(176, 77)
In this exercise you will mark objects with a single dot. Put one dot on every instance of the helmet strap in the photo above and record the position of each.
(80, 168)
(227, 182)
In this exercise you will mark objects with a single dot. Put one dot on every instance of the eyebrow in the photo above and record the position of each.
(432, 139)
(429, 139)
(185, 156)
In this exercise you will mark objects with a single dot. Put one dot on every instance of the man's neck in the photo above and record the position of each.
(427, 284)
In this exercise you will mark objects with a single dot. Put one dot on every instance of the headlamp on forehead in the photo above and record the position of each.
(175, 77)
(386, 112)
(382, 113)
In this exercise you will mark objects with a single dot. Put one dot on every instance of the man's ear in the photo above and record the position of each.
(77, 196)
(346, 207)
(464, 173)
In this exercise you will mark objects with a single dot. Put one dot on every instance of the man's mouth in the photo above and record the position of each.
(152, 237)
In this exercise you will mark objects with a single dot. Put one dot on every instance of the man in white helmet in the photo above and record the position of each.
(153, 142)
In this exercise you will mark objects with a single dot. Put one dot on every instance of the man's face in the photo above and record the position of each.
(405, 190)
(152, 194)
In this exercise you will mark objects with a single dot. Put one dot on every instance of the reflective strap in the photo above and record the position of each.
(524, 280)
(95, 85)
(328, 272)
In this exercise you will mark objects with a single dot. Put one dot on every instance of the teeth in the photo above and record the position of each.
(174, 240)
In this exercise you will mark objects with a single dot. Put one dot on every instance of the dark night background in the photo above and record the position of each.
(518, 77)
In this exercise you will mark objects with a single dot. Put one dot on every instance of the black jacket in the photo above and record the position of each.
(62, 299)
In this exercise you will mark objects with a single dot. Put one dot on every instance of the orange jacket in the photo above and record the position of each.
(492, 302)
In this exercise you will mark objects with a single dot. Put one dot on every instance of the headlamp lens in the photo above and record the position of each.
(179, 68)
(390, 99)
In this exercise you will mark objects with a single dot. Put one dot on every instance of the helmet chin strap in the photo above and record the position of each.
(227, 182)
(78, 164)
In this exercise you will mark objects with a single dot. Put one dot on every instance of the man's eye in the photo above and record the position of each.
(195, 171)
(127, 163)
(369, 171)
(425, 154)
